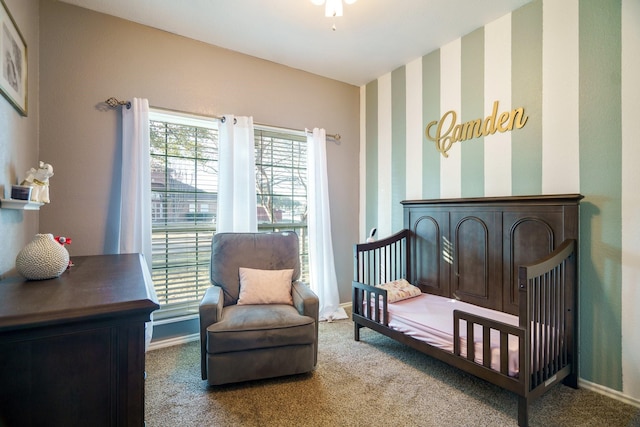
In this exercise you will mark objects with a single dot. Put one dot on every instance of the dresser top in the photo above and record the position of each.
(95, 287)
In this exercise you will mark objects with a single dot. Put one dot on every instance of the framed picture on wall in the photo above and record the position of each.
(13, 62)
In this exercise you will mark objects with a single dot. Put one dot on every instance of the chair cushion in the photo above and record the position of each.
(249, 327)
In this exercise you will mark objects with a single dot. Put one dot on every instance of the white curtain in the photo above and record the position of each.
(237, 210)
(322, 271)
(135, 190)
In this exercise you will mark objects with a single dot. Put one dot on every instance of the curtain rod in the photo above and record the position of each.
(113, 103)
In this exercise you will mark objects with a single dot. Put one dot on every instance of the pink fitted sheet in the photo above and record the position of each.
(429, 318)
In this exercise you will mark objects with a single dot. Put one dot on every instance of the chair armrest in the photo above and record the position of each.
(307, 304)
(305, 300)
(210, 311)
(211, 306)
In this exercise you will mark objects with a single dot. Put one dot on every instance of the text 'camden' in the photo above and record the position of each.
(449, 132)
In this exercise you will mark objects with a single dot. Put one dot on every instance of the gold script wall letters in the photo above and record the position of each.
(448, 132)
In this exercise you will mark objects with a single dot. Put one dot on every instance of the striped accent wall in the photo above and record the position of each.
(600, 157)
(574, 65)
(630, 224)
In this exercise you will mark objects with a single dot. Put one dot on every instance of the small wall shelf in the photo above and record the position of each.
(25, 205)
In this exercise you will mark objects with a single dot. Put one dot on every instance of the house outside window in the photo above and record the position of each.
(184, 187)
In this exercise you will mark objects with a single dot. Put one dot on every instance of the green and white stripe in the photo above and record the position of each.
(574, 66)
(630, 200)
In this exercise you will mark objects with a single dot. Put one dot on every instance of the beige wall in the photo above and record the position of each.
(87, 57)
(19, 142)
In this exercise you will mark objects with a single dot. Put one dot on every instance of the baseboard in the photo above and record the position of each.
(614, 394)
(173, 341)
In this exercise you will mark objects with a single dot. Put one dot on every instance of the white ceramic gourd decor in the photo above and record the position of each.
(42, 258)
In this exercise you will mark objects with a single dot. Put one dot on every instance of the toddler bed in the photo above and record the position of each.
(488, 285)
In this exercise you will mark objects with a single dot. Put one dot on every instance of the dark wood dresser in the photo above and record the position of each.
(72, 348)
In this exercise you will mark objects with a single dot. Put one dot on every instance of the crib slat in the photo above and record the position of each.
(456, 335)
(486, 346)
(471, 349)
(553, 310)
(545, 326)
(504, 353)
(563, 326)
(539, 346)
(553, 340)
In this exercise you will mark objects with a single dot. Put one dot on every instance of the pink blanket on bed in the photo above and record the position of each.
(429, 318)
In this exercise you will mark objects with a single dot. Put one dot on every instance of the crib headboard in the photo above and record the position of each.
(471, 248)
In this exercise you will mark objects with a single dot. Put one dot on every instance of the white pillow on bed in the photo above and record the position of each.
(399, 290)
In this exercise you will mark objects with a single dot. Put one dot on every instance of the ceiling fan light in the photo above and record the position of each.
(333, 8)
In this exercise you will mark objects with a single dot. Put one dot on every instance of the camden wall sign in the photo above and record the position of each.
(447, 131)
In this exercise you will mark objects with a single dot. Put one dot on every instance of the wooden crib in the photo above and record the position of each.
(504, 255)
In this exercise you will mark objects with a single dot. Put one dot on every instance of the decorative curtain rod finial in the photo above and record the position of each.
(113, 103)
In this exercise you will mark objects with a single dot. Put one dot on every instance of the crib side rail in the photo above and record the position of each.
(381, 261)
(487, 325)
(548, 310)
(370, 302)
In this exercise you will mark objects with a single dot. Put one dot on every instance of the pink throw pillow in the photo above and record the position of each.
(265, 286)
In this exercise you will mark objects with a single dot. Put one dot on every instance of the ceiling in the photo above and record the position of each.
(372, 38)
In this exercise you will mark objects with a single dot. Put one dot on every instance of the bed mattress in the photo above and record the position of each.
(429, 318)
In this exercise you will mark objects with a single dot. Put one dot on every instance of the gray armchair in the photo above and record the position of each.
(255, 341)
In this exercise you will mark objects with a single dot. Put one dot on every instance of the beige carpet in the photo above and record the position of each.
(374, 382)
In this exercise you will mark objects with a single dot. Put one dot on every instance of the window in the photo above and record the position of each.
(281, 186)
(184, 166)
